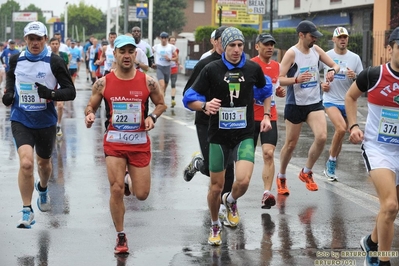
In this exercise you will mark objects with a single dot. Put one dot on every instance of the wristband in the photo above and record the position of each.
(352, 126)
(268, 114)
(332, 69)
(296, 80)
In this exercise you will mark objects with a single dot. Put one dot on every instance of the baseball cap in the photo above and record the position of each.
(213, 34)
(339, 31)
(36, 28)
(306, 26)
(73, 41)
(11, 41)
(394, 36)
(219, 31)
(164, 35)
(123, 40)
(264, 38)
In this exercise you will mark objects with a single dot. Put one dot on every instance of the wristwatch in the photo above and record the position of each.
(52, 94)
(154, 117)
(203, 106)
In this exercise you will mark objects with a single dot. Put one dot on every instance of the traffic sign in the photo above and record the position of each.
(142, 10)
(256, 7)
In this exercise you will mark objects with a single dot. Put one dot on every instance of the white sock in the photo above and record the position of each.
(230, 198)
(306, 170)
(266, 191)
(216, 223)
(332, 158)
(280, 175)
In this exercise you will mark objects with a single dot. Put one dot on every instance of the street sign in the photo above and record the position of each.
(256, 7)
(59, 27)
(142, 10)
(235, 12)
(24, 16)
(132, 13)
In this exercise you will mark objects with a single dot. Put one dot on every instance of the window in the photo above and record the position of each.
(199, 6)
(297, 4)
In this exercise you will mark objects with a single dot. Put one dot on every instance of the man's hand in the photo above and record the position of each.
(8, 98)
(280, 92)
(265, 124)
(325, 86)
(89, 119)
(43, 91)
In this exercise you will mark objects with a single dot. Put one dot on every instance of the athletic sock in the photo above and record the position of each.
(370, 242)
(41, 189)
(306, 170)
(280, 175)
(230, 198)
(29, 206)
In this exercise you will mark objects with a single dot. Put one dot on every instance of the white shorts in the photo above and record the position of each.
(374, 159)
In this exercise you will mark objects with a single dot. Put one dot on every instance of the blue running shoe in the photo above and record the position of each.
(369, 261)
(27, 219)
(330, 170)
(43, 202)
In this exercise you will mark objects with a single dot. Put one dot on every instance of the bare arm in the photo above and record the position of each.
(94, 101)
(356, 135)
(157, 98)
(287, 61)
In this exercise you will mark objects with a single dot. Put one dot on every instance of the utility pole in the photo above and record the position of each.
(271, 17)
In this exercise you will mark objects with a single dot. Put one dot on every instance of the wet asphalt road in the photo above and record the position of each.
(171, 227)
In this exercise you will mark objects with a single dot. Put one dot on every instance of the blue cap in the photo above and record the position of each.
(123, 40)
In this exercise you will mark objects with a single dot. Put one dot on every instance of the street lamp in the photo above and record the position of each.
(66, 22)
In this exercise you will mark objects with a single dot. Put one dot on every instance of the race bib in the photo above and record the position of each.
(29, 99)
(341, 75)
(139, 137)
(126, 115)
(313, 80)
(388, 131)
(232, 117)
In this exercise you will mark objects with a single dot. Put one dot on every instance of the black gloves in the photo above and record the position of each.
(44, 92)
(8, 98)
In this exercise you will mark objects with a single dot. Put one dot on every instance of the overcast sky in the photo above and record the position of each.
(58, 6)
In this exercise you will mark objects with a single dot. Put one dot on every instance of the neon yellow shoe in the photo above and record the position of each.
(173, 103)
(215, 236)
(232, 217)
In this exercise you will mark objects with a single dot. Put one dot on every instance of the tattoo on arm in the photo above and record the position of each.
(99, 85)
(152, 84)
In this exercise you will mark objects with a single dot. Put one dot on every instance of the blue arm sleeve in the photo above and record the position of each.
(191, 96)
(260, 94)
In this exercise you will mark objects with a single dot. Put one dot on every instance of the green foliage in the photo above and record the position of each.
(17, 31)
(168, 16)
(204, 32)
(91, 18)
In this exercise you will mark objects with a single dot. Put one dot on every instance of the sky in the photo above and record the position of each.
(58, 6)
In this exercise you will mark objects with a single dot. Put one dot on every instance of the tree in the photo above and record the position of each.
(394, 15)
(84, 16)
(168, 15)
(6, 11)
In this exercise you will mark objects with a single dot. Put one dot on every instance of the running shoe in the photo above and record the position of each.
(59, 131)
(121, 244)
(43, 202)
(329, 172)
(268, 200)
(127, 190)
(191, 169)
(173, 103)
(232, 217)
(368, 261)
(282, 188)
(308, 179)
(215, 238)
(27, 218)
